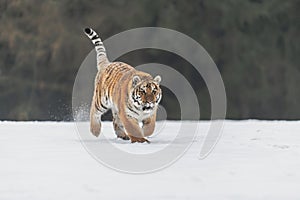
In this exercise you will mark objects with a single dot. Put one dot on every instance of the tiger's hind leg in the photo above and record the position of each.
(95, 122)
(95, 119)
(119, 128)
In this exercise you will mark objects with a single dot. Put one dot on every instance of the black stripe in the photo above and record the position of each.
(136, 100)
(97, 107)
(103, 106)
(100, 49)
(132, 110)
(109, 69)
(100, 109)
(95, 37)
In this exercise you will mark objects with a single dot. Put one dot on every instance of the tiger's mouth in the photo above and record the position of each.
(148, 107)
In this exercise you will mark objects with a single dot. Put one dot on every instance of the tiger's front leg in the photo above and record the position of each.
(133, 129)
(119, 128)
(149, 125)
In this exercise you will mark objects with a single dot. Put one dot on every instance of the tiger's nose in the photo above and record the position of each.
(149, 98)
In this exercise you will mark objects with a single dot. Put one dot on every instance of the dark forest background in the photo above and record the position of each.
(255, 44)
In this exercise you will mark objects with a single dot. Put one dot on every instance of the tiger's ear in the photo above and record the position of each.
(135, 80)
(157, 79)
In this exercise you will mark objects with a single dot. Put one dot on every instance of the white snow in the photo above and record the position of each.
(253, 160)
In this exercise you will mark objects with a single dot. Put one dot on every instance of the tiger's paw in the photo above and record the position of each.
(139, 140)
(95, 129)
(124, 137)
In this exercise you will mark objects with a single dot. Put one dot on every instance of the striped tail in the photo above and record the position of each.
(99, 47)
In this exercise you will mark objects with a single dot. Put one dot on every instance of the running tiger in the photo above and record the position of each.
(133, 96)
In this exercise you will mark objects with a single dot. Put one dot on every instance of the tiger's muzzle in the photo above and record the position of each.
(148, 107)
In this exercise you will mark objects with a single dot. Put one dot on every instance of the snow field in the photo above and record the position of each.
(253, 160)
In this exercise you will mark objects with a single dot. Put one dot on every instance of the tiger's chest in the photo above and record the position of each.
(139, 115)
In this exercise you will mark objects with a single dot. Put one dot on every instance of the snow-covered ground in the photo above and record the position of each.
(252, 160)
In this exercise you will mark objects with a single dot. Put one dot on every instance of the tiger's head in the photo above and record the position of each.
(146, 93)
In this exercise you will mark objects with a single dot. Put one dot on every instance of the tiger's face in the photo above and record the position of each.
(146, 94)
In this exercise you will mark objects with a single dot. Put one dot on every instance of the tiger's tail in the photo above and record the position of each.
(99, 47)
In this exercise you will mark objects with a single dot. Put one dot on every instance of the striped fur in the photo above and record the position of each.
(132, 96)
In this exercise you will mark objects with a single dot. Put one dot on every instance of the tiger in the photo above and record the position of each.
(132, 96)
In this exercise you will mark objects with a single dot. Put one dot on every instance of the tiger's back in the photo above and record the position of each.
(107, 81)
